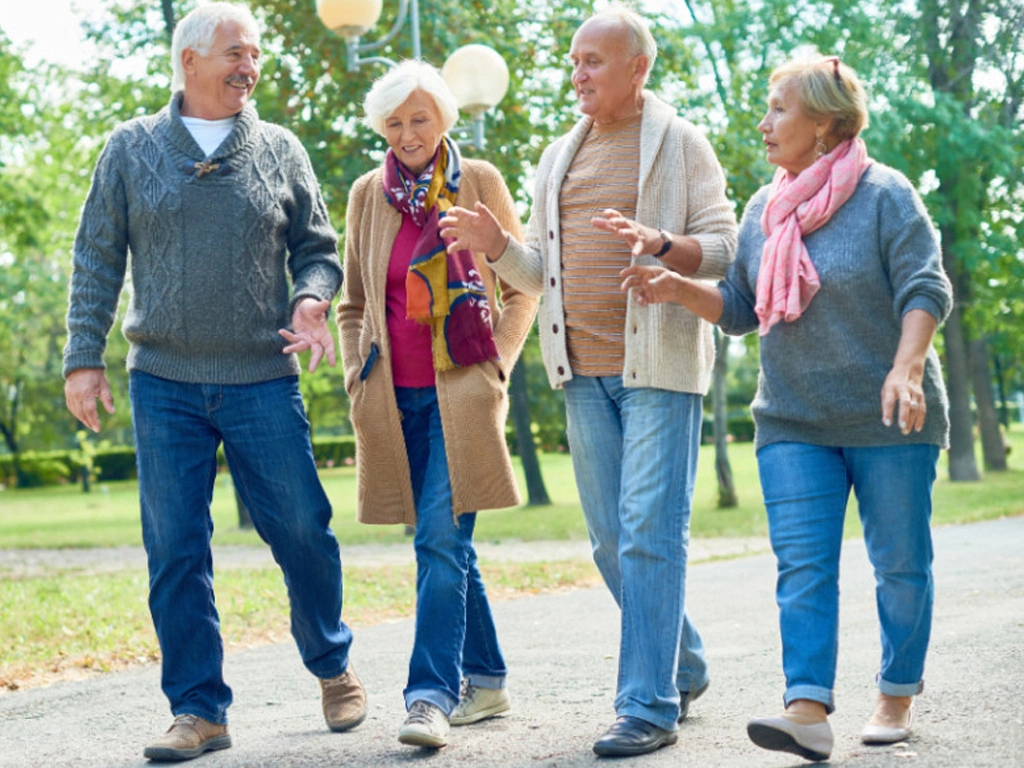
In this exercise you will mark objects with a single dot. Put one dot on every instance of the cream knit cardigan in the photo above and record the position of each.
(473, 400)
(681, 188)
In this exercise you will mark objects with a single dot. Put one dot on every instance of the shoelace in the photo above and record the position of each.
(419, 713)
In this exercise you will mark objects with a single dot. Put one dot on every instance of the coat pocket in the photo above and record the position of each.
(371, 360)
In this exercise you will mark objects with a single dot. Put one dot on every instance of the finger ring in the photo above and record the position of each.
(913, 403)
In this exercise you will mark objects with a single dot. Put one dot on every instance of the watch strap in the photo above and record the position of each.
(666, 243)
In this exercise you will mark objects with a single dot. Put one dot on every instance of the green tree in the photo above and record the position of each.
(45, 161)
(956, 93)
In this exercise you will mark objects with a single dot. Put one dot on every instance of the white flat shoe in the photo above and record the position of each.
(884, 734)
(812, 742)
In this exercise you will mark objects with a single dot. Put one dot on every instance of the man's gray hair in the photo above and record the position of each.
(641, 39)
(198, 30)
(390, 90)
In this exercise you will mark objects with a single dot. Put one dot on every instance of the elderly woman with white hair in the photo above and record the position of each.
(428, 341)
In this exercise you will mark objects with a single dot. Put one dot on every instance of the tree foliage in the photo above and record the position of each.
(946, 84)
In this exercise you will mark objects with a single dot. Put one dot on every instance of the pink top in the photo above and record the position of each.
(412, 363)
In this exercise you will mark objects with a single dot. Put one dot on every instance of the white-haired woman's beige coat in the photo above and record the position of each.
(473, 400)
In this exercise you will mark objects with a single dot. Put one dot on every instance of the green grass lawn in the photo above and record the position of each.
(63, 516)
(67, 623)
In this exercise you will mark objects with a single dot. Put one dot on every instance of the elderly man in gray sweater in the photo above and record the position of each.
(216, 210)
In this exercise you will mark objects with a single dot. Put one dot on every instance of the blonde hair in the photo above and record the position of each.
(199, 29)
(390, 90)
(828, 89)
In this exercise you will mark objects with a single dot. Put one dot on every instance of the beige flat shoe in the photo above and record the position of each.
(876, 732)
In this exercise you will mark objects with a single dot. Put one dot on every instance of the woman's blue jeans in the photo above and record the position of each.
(455, 632)
(178, 427)
(806, 488)
(634, 453)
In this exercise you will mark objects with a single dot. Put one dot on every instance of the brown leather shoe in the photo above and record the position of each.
(344, 700)
(189, 736)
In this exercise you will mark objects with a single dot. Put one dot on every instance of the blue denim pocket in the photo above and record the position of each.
(371, 359)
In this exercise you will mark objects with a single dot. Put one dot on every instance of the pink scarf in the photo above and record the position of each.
(798, 205)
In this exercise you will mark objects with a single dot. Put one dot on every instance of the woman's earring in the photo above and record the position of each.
(820, 148)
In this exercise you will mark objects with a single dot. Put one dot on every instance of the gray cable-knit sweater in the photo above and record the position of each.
(211, 251)
(821, 375)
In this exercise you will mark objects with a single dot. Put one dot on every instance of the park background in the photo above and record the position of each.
(946, 86)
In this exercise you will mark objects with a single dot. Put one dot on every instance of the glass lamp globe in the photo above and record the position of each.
(477, 76)
(349, 18)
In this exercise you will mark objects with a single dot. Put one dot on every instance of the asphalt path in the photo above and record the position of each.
(561, 649)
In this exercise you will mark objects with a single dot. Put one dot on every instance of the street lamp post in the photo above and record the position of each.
(477, 74)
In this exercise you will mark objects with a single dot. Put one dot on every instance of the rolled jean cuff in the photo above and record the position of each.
(491, 682)
(811, 693)
(899, 689)
(439, 699)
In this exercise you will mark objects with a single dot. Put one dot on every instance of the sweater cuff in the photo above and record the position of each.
(926, 303)
(516, 268)
(74, 361)
(715, 256)
(320, 283)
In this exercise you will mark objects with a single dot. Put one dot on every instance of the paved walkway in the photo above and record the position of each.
(562, 649)
(33, 562)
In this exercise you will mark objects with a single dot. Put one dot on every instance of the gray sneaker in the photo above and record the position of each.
(476, 703)
(425, 726)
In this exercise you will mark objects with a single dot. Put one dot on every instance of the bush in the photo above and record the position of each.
(547, 439)
(57, 467)
(39, 468)
(117, 463)
(740, 428)
(334, 451)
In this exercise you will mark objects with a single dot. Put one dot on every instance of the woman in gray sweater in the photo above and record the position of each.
(839, 269)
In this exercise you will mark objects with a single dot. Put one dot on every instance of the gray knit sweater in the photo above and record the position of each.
(821, 375)
(211, 253)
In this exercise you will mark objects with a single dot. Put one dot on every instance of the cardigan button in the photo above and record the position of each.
(554, 328)
(552, 282)
(561, 371)
(551, 234)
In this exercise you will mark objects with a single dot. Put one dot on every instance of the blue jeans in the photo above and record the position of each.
(178, 427)
(806, 488)
(634, 453)
(455, 632)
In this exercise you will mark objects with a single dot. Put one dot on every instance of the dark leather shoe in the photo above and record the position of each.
(633, 736)
(685, 697)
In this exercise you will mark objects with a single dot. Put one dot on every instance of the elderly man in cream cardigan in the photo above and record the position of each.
(610, 192)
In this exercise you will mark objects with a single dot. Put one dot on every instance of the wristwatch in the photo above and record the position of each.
(666, 243)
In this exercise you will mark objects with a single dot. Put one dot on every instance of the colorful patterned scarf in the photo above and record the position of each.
(798, 205)
(442, 289)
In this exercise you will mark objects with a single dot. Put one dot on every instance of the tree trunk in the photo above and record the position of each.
(244, 518)
(1004, 413)
(168, 10)
(963, 467)
(723, 470)
(9, 431)
(992, 448)
(537, 494)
